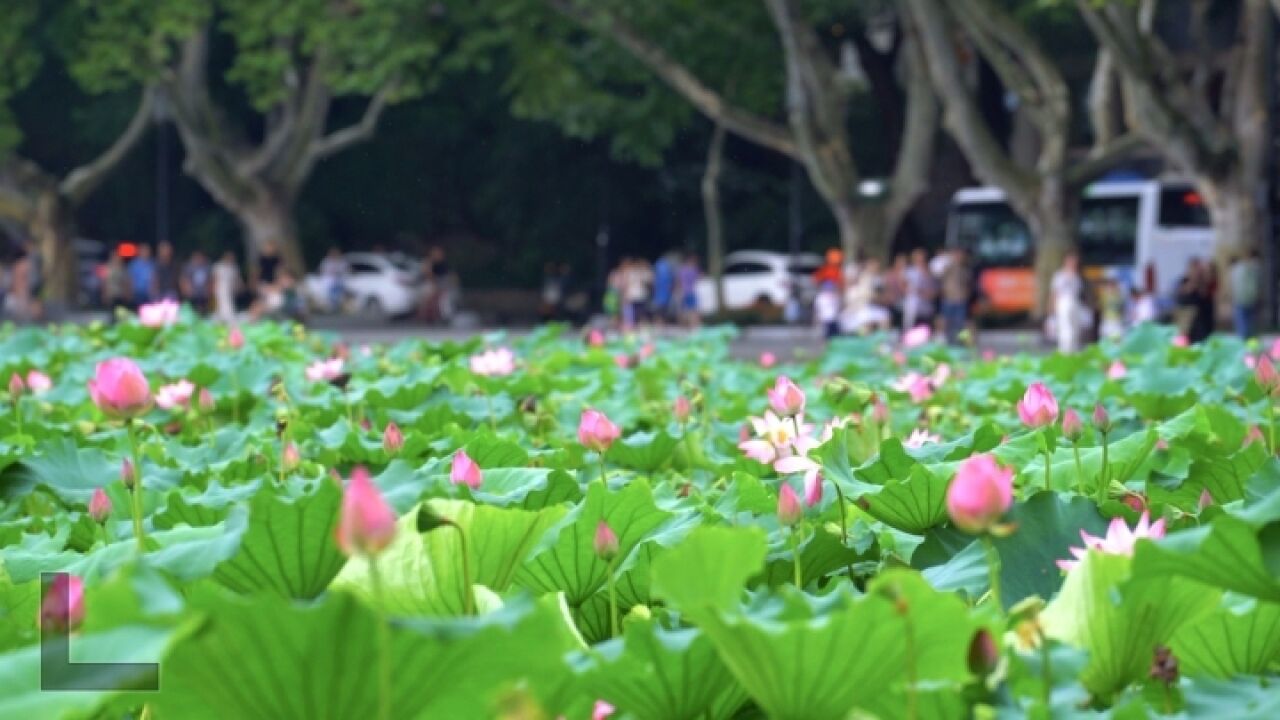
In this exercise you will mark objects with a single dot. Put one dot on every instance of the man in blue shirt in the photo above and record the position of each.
(664, 284)
(142, 275)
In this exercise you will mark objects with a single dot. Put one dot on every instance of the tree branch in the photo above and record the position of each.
(340, 140)
(82, 181)
(920, 131)
(710, 103)
(1103, 158)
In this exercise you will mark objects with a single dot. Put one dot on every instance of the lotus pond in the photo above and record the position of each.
(589, 527)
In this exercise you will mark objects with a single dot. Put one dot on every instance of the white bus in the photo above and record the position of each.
(1128, 229)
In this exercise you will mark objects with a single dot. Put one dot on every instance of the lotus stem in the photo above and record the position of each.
(1075, 448)
(468, 598)
(384, 643)
(1104, 477)
(1048, 468)
(795, 558)
(844, 526)
(135, 492)
(993, 568)
(613, 600)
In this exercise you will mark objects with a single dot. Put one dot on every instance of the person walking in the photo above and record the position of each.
(226, 283)
(168, 272)
(664, 287)
(334, 269)
(918, 291)
(1195, 301)
(195, 282)
(687, 278)
(142, 276)
(1245, 284)
(1065, 303)
(116, 287)
(957, 290)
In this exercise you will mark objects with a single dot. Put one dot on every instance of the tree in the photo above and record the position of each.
(1046, 192)
(817, 93)
(291, 62)
(40, 201)
(1205, 110)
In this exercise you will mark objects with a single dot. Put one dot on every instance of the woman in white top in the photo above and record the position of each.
(226, 281)
(1066, 289)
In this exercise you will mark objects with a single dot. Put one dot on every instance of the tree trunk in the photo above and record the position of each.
(712, 210)
(1236, 212)
(269, 220)
(1053, 225)
(51, 228)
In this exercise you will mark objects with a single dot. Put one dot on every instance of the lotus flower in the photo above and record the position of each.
(1116, 370)
(366, 524)
(595, 432)
(119, 388)
(176, 395)
(1119, 539)
(1101, 419)
(777, 438)
(128, 474)
(980, 494)
(465, 471)
(99, 506)
(622, 360)
(235, 338)
(1254, 435)
(290, 456)
(812, 489)
(988, 355)
(493, 363)
(646, 351)
(920, 437)
(1264, 372)
(789, 510)
(1275, 349)
(595, 338)
(392, 439)
(785, 397)
(918, 386)
(1180, 341)
(62, 609)
(205, 400)
(158, 314)
(1038, 407)
(325, 370)
(879, 412)
(768, 359)
(16, 386)
(940, 375)
(916, 336)
(38, 382)
(1072, 425)
(602, 710)
(605, 542)
(681, 408)
(1206, 499)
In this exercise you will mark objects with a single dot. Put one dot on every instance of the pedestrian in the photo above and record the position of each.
(334, 269)
(957, 290)
(688, 278)
(664, 287)
(895, 287)
(1245, 291)
(226, 283)
(864, 307)
(117, 290)
(637, 281)
(437, 298)
(552, 292)
(1195, 301)
(168, 272)
(826, 309)
(142, 277)
(196, 281)
(831, 270)
(1065, 304)
(919, 289)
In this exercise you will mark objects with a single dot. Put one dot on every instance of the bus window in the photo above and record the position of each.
(1183, 207)
(993, 234)
(1108, 230)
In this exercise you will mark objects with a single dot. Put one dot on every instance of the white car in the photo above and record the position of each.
(759, 277)
(376, 285)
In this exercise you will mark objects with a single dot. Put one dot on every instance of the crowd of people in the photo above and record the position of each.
(661, 293)
(21, 282)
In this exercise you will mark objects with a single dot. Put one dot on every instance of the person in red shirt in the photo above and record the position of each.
(832, 270)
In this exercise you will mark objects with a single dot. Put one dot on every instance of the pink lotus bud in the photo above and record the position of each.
(128, 474)
(595, 432)
(1072, 426)
(16, 386)
(392, 439)
(980, 493)
(465, 471)
(291, 457)
(62, 609)
(1264, 372)
(984, 654)
(365, 424)
(916, 336)
(602, 710)
(646, 351)
(785, 397)
(605, 542)
(119, 388)
(99, 506)
(38, 382)
(768, 359)
(1254, 435)
(206, 401)
(366, 524)
(789, 510)
(1206, 499)
(988, 355)
(235, 338)
(1117, 370)
(1038, 407)
(1135, 502)
(622, 360)
(879, 412)
(1101, 419)
(682, 408)
(595, 338)
(812, 489)
(1180, 341)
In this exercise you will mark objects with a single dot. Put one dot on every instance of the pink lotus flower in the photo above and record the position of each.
(980, 494)
(879, 412)
(595, 432)
(366, 524)
(158, 314)
(176, 395)
(1072, 425)
(38, 382)
(325, 370)
(681, 408)
(235, 338)
(768, 359)
(1264, 372)
(290, 457)
(99, 506)
(595, 338)
(920, 437)
(1116, 370)
(918, 386)
(1180, 341)
(602, 710)
(119, 388)
(778, 438)
(392, 439)
(605, 542)
(465, 471)
(128, 474)
(622, 360)
(988, 355)
(62, 609)
(940, 375)
(1254, 435)
(1101, 419)
(1038, 407)
(1135, 502)
(1119, 539)
(785, 397)
(789, 510)
(812, 489)
(916, 336)
(646, 351)
(1250, 362)
(16, 386)
(1275, 349)
(493, 363)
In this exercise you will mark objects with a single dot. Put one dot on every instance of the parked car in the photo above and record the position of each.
(376, 285)
(757, 277)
